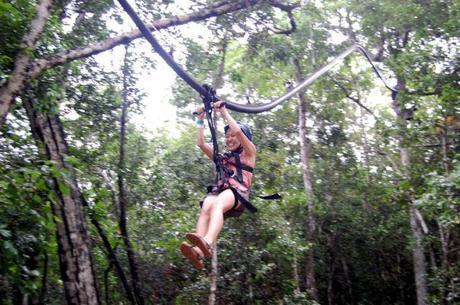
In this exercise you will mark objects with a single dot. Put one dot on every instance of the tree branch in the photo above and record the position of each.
(25, 70)
(18, 77)
(288, 8)
(125, 38)
(292, 23)
(353, 99)
(284, 6)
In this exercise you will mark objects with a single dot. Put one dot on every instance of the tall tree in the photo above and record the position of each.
(217, 83)
(395, 41)
(122, 190)
(305, 157)
(72, 233)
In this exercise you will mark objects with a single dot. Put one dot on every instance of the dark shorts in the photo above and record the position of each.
(238, 207)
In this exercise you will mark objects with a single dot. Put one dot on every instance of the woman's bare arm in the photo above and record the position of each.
(200, 142)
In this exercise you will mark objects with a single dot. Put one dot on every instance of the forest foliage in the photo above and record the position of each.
(385, 172)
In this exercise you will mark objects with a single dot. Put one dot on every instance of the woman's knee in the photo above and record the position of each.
(208, 205)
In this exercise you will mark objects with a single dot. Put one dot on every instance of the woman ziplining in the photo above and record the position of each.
(230, 193)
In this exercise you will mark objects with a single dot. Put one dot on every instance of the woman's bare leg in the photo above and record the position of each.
(205, 214)
(222, 204)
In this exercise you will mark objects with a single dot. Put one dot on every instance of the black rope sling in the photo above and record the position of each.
(207, 93)
(248, 108)
(208, 100)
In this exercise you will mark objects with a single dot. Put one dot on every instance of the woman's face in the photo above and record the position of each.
(231, 141)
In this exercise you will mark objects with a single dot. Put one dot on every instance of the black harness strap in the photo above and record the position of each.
(247, 204)
(274, 196)
(208, 99)
(239, 177)
(240, 167)
(239, 173)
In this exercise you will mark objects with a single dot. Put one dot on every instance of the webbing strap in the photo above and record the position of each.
(208, 99)
(239, 174)
(270, 197)
(247, 204)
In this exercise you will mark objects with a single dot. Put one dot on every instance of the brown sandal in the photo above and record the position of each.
(198, 241)
(192, 255)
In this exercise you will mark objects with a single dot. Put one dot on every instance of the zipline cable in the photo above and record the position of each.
(240, 107)
(369, 59)
(310, 79)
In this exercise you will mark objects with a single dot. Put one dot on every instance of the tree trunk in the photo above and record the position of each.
(72, 234)
(114, 260)
(330, 288)
(305, 151)
(16, 81)
(418, 257)
(445, 149)
(402, 294)
(37, 132)
(217, 83)
(122, 199)
(44, 287)
(444, 236)
(213, 277)
(295, 272)
(366, 149)
(106, 283)
(330, 278)
(445, 232)
(418, 254)
(346, 273)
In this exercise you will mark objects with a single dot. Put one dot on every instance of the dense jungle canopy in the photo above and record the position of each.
(94, 207)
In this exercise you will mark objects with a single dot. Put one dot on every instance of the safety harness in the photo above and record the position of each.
(240, 167)
(237, 175)
(223, 173)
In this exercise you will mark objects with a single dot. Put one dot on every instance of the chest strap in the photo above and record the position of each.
(238, 165)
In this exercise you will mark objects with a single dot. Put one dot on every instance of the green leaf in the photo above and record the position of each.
(10, 248)
(64, 188)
